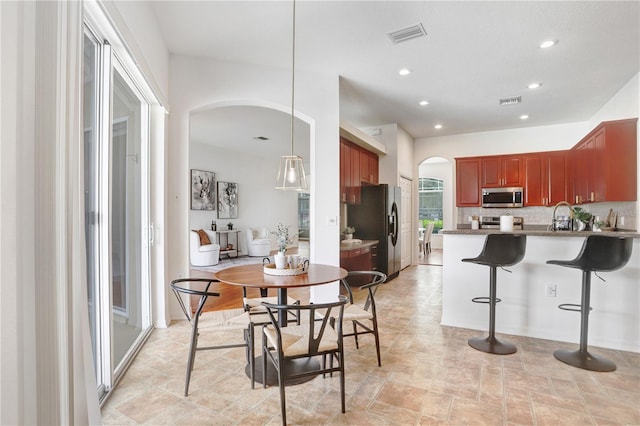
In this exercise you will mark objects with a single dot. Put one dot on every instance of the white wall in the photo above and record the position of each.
(259, 204)
(201, 83)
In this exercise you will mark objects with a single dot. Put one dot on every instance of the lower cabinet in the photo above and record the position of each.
(361, 258)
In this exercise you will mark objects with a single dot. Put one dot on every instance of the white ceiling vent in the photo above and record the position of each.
(408, 33)
(511, 101)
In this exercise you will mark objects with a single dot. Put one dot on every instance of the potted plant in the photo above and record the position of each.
(283, 240)
(582, 218)
(348, 232)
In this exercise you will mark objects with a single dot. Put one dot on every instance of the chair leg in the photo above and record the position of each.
(252, 359)
(342, 398)
(491, 344)
(355, 333)
(375, 335)
(283, 405)
(191, 360)
(582, 358)
(264, 361)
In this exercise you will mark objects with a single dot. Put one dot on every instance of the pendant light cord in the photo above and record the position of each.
(293, 71)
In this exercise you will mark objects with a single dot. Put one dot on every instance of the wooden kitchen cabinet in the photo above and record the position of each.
(357, 166)
(545, 178)
(603, 165)
(368, 167)
(468, 182)
(502, 171)
(360, 258)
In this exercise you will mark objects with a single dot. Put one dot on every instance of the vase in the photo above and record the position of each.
(280, 259)
(348, 236)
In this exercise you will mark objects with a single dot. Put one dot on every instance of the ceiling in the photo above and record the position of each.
(474, 54)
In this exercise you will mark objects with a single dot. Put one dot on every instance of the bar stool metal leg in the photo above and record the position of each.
(491, 344)
(582, 358)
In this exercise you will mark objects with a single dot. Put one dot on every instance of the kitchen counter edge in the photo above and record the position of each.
(543, 233)
(365, 243)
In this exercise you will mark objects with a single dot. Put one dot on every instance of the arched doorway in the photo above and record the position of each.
(243, 144)
(435, 202)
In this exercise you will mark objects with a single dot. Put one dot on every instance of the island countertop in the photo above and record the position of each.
(544, 233)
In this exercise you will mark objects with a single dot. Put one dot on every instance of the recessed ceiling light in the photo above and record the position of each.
(548, 43)
(424, 103)
(404, 71)
(438, 126)
(534, 85)
(524, 117)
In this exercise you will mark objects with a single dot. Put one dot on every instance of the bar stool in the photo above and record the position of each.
(499, 250)
(599, 253)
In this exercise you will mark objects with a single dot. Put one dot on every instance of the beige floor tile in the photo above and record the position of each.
(429, 376)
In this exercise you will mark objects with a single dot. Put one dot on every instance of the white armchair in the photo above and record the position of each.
(258, 242)
(203, 254)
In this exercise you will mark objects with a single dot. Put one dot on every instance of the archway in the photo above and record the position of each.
(241, 143)
(435, 196)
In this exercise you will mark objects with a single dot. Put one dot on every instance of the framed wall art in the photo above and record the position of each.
(203, 190)
(227, 200)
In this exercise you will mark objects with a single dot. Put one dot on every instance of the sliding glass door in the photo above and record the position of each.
(116, 118)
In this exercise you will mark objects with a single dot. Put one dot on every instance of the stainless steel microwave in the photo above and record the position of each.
(502, 197)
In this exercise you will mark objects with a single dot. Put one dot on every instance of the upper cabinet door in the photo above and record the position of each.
(502, 171)
(468, 182)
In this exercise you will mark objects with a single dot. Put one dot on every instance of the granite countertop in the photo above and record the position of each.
(351, 246)
(539, 231)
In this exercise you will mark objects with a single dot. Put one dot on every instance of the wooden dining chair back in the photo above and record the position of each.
(316, 336)
(363, 315)
(210, 322)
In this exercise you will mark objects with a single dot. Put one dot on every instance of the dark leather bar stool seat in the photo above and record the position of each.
(599, 254)
(499, 250)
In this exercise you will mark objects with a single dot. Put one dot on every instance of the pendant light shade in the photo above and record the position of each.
(291, 174)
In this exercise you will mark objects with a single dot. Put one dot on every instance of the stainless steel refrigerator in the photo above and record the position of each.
(377, 217)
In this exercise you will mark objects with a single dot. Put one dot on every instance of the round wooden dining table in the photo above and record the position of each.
(254, 276)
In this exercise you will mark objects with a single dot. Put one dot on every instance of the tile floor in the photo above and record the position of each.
(429, 375)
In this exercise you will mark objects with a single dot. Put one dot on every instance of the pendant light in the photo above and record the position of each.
(291, 174)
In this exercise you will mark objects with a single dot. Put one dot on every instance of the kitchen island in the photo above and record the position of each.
(532, 292)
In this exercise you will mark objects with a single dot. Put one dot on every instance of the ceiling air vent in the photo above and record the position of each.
(511, 101)
(407, 33)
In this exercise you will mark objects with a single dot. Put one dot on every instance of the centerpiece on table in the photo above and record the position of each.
(283, 239)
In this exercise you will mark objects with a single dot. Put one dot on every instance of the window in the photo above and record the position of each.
(430, 201)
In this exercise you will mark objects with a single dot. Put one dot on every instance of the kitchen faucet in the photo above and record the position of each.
(554, 222)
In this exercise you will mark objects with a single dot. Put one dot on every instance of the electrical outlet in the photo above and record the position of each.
(550, 290)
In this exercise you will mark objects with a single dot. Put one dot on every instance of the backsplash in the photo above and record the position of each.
(543, 215)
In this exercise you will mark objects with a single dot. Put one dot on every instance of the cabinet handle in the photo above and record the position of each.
(593, 196)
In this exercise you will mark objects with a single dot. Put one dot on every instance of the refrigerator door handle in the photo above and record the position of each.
(393, 224)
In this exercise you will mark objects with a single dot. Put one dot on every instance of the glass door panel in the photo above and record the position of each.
(116, 120)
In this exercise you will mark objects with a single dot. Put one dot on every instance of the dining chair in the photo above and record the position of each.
(258, 314)
(426, 243)
(363, 316)
(210, 322)
(320, 338)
